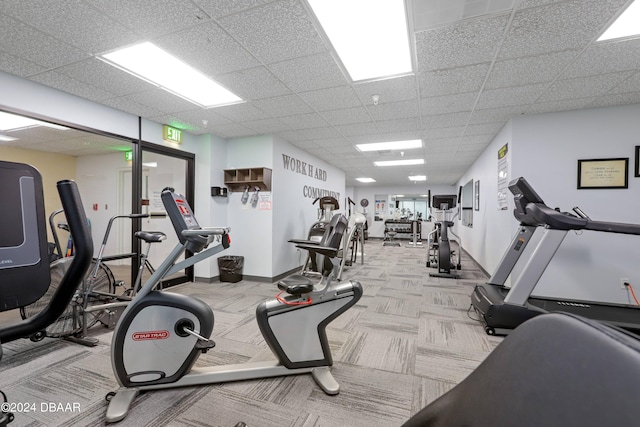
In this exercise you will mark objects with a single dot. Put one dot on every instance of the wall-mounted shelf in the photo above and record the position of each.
(237, 179)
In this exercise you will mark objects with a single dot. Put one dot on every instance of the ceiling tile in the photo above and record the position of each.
(177, 122)
(266, 126)
(451, 132)
(583, 87)
(632, 84)
(241, 112)
(220, 8)
(311, 72)
(223, 53)
(275, 31)
(287, 105)
(452, 80)
(563, 105)
(616, 99)
(448, 104)
(400, 125)
(197, 115)
(347, 116)
(332, 142)
(389, 90)
(394, 110)
(31, 45)
(306, 144)
(484, 129)
(434, 13)
(459, 45)
(104, 76)
(499, 114)
(445, 120)
(69, 85)
(557, 26)
(356, 129)
(18, 66)
(520, 95)
(161, 100)
(125, 104)
(530, 69)
(331, 99)
(155, 18)
(304, 121)
(72, 21)
(253, 83)
(603, 58)
(232, 130)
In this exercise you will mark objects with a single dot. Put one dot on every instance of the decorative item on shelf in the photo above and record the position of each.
(219, 191)
(255, 197)
(245, 195)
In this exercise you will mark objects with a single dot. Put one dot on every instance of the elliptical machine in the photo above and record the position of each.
(160, 335)
(441, 256)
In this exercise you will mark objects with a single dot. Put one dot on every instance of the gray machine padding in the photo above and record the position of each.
(554, 370)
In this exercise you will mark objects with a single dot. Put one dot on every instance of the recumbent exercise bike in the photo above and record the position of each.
(161, 334)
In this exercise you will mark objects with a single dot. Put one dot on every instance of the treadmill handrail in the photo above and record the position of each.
(544, 215)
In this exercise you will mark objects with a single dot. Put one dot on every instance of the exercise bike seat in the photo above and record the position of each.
(296, 285)
(151, 236)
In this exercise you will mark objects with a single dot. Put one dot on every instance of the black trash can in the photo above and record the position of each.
(230, 267)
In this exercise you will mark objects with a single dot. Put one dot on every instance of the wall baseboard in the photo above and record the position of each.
(261, 279)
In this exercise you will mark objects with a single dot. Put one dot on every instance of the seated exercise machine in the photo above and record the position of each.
(24, 251)
(502, 309)
(326, 206)
(440, 255)
(556, 370)
(160, 335)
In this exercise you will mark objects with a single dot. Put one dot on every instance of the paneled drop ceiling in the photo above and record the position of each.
(478, 63)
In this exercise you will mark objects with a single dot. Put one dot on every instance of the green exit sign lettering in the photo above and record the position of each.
(128, 156)
(171, 134)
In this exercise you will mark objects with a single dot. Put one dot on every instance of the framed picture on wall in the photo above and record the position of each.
(603, 173)
(476, 195)
(636, 171)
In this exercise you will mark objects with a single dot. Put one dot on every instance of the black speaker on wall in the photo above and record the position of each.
(219, 191)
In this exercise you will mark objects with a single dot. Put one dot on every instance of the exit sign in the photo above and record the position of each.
(128, 156)
(171, 134)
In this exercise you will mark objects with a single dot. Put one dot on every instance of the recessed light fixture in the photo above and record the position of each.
(399, 162)
(370, 37)
(10, 122)
(150, 63)
(399, 195)
(6, 138)
(392, 145)
(626, 25)
(418, 178)
(365, 179)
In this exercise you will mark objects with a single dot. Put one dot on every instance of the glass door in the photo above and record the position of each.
(161, 168)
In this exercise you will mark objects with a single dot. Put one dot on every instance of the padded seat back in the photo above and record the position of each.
(554, 370)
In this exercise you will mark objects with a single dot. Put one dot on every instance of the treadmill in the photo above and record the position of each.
(502, 309)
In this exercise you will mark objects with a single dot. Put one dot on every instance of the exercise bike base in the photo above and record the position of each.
(123, 397)
(445, 275)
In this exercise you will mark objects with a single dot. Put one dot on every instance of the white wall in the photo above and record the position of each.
(293, 211)
(492, 229)
(545, 149)
(251, 228)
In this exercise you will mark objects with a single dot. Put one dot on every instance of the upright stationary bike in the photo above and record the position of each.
(160, 335)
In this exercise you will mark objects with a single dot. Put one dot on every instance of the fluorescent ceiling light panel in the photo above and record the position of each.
(150, 63)
(6, 138)
(370, 36)
(400, 162)
(393, 145)
(627, 24)
(365, 179)
(418, 178)
(14, 122)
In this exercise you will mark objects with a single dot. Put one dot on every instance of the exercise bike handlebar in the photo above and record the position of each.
(208, 231)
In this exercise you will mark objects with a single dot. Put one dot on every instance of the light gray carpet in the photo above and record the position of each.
(406, 342)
